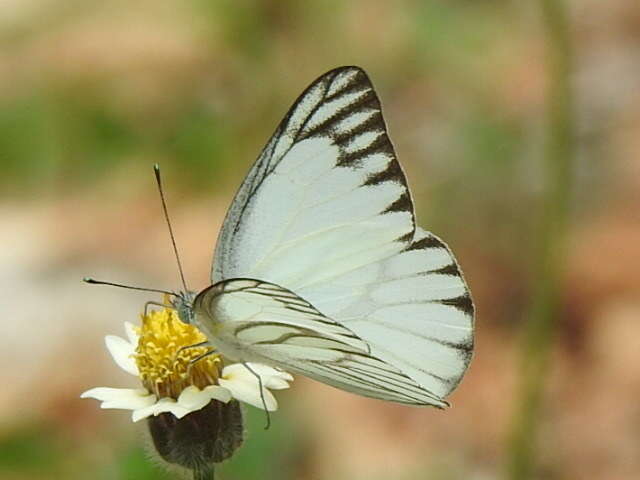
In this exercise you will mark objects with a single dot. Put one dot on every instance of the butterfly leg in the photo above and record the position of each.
(155, 304)
(196, 345)
(199, 357)
(264, 404)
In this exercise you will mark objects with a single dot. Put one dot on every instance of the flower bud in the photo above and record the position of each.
(200, 439)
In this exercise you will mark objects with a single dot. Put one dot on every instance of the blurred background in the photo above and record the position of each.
(93, 93)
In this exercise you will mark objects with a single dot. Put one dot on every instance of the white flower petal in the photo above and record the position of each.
(193, 398)
(130, 403)
(236, 371)
(132, 335)
(141, 413)
(275, 383)
(267, 371)
(122, 398)
(166, 405)
(216, 392)
(271, 378)
(122, 353)
(102, 393)
(246, 390)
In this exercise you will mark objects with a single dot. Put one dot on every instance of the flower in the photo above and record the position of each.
(172, 383)
(189, 397)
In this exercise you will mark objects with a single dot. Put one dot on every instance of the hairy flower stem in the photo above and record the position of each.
(206, 473)
(539, 331)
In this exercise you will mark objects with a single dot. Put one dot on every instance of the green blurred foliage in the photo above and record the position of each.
(32, 450)
(134, 463)
(65, 129)
(266, 454)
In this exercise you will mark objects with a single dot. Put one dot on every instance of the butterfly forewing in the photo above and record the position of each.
(263, 322)
(327, 187)
(325, 213)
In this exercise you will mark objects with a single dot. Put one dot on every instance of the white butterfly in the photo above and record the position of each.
(320, 268)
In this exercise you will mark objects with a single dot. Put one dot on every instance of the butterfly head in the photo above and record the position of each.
(183, 303)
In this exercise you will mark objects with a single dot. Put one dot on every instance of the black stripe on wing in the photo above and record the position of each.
(429, 243)
(342, 105)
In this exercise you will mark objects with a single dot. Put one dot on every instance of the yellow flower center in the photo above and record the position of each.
(164, 364)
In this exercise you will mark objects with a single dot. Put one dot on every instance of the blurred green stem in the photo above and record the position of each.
(539, 331)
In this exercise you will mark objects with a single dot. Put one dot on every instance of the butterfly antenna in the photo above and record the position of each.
(93, 281)
(156, 171)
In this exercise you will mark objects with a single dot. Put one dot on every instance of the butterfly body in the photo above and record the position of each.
(320, 268)
(183, 303)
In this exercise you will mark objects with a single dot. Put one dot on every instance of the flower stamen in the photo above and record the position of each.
(166, 367)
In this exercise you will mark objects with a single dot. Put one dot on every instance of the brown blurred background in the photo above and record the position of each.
(92, 94)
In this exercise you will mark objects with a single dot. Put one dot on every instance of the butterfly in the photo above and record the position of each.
(320, 268)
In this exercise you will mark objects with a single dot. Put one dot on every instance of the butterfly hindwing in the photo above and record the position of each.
(414, 309)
